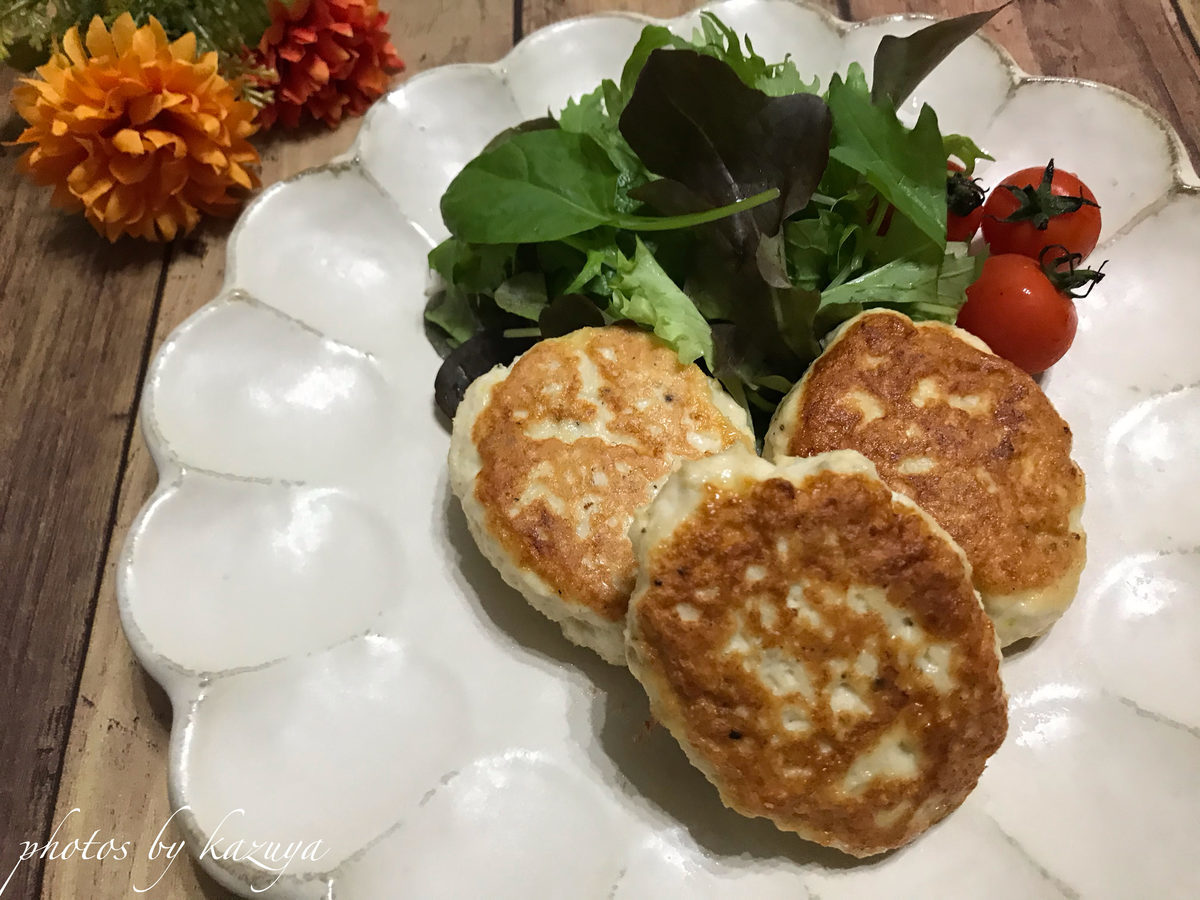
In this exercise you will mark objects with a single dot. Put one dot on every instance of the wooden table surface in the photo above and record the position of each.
(81, 726)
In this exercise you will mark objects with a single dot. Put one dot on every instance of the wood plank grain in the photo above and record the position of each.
(115, 771)
(431, 33)
(1008, 27)
(1187, 14)
(1133, 45)
(75, 314)
(1136, 46)
(539, 13)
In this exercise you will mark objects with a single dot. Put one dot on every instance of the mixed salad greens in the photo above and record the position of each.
(714, 198)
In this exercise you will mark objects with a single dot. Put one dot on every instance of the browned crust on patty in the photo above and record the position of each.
(593, 478)
(841, 530)
(1004, 486)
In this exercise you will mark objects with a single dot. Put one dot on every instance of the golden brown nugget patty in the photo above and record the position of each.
(813, 642)
(552, 457)
(966, 434)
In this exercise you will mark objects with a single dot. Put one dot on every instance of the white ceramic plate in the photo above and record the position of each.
(345, 667)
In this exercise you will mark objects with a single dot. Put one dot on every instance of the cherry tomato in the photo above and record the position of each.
(1049, 207)
(1019, 313)
(963, 228)
(964, 204)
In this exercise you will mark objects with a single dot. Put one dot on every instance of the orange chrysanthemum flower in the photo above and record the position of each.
(333, 58)
(136, 131)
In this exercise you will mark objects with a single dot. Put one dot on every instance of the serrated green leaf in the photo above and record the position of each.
(906, 166)
(923, 289)
(964, 150)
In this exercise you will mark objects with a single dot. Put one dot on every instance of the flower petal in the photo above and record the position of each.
(158, 32)
(332, 50)
(131, 169)
(145, 47)
(89, 138)
(160, 139)
(172, 178)
(113, 230)
(207, 64)
(96, 191)
(82, 175)
(129, 141)
(239, 175)
(185, 47)
(123, 30)
(170, 99)
(318, 70)
(99, 41)
(144, 108)
(45, 89)
(72, 45)
(191, 216)
(116, 207)
(166, 226)
(210, 124)
(210, 156)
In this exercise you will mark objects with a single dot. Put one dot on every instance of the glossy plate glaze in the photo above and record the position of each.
(345, 667)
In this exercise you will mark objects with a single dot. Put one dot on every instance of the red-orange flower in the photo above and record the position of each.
(136, 131)
(333, 58)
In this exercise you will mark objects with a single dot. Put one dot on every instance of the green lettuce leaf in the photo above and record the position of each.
(644, 293)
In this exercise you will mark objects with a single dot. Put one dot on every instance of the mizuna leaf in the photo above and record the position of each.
(716, 39)
(906, 166)
(965, 150)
